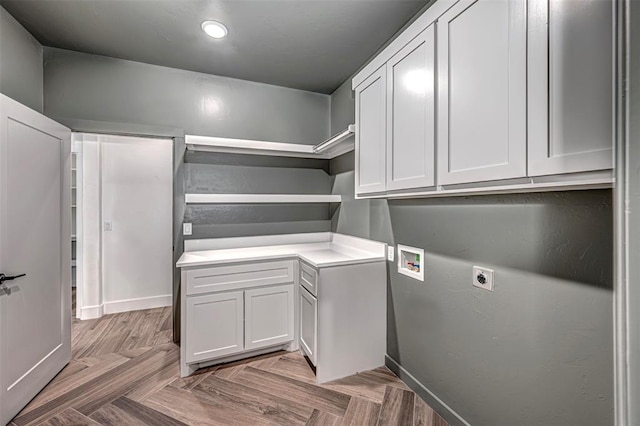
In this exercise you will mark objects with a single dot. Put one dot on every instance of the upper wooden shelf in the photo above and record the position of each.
(333, 147)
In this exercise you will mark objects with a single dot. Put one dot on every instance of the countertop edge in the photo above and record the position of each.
(183, 265)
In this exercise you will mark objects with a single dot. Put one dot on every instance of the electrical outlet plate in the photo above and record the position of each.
(186, 229)
(391, 253)
(478, 273)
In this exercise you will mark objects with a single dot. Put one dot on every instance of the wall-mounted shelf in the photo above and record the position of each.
(260, 198)
(331, 148)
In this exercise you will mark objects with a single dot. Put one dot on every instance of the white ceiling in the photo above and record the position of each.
(305, 44)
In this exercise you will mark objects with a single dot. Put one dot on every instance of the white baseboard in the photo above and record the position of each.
(127, 305)
(91, 312)
(423, 392)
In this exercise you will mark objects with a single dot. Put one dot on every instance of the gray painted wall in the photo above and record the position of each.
(536, 351)
(21, 75)
(90, 87)
(243, 174)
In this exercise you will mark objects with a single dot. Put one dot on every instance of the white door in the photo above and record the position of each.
(137, 209)
(482, 54)
(411, 114)
(571, 86)
(215, 326)
(268, 316)
(309, 325)
(371, 107)
(35, 239)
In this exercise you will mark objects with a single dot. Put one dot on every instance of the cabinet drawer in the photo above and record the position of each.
(220, 278)
(309, 278)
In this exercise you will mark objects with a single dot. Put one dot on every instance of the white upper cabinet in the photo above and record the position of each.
(411, 112)
(482, 48)
(490, 96)
(571, 89)
(371, 133)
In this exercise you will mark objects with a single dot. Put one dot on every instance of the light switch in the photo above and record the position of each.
(391, 252)
(186, 229)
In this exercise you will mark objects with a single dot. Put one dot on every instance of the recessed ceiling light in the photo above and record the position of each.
(215, 29)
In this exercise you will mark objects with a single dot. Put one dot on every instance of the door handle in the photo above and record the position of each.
(4, 278)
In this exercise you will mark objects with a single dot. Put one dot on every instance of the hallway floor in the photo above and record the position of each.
(124, 371)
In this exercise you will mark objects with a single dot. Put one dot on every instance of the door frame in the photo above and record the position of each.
(76, 148)
(627, 218)
(179, 150)
(85, 132)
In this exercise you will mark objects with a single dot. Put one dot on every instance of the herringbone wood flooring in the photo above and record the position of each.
(124, 371)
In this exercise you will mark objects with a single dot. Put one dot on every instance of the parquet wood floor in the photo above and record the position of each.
(124, 371)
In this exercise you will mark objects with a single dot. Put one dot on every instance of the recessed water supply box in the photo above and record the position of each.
(410, 262)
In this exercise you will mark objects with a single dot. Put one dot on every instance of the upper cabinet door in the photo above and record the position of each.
(371, 133)
(571, 88)
(411, 114)
(482, 91)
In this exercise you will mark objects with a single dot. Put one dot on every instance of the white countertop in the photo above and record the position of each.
(339, 250)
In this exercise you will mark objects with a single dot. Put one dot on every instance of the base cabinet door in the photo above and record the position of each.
(482, 54)
(571, 89)
(309, 325)
(215, 326)
(411, 114)
(371, 133)
(269, 316)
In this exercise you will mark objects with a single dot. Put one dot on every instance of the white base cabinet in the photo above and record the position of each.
(223, 324)
(336, 315)
(324, 293)
(343, 328)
